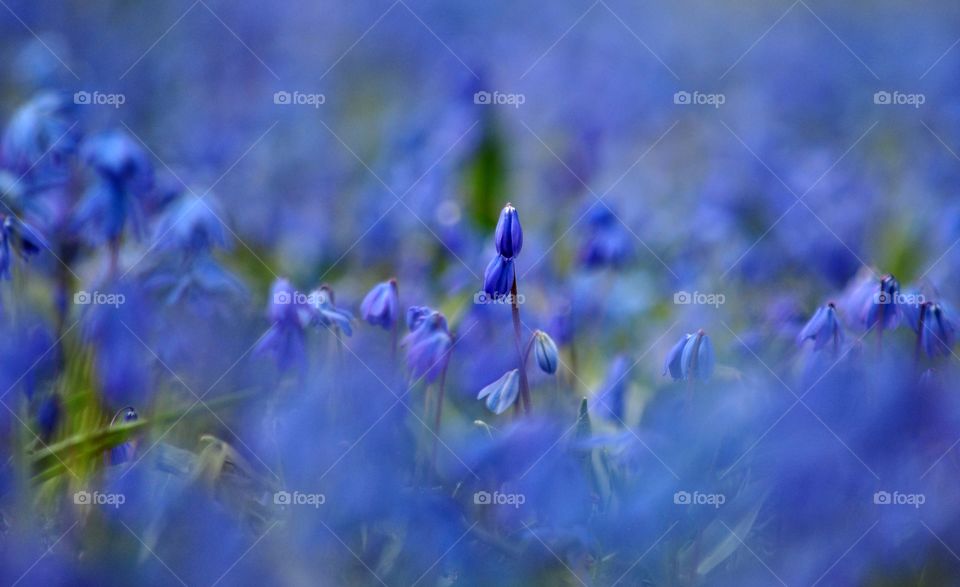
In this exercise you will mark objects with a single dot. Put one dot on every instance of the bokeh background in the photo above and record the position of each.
(774, 156)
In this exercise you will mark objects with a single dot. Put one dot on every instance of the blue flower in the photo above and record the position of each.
(124, 174)
(498, 277)
(325, 313)
(415, 315)
(286, 339)
(673, 363)
(381, 306)
(40, 138)
(883, 308)
(17, 238)
(823, 328)
(697, 361)
(691, 358)
(936, 333)
(509, 233)
(197, 279)
(428, 346)
(191, 225)
(607, 243)
(545, 351)
(502, 393)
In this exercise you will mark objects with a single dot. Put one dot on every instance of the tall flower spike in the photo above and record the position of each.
(509, 234)
(823, 328)
(498, 277)
(381, 306)
(428, 347)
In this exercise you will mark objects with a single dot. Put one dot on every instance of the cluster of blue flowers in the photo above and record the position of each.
(254, 331)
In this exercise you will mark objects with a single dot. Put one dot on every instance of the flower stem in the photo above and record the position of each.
(436, 421)
(920, 327)
(524, 384)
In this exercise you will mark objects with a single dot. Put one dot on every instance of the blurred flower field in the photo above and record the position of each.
(410, 292)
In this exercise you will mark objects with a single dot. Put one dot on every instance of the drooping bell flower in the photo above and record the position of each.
(498, 277)
(191, 225)
(17, 238)
(123, 175)
(823, 328)
(380, 307)
(40, 138)
(690, 358)
(428, 347)
(124, 452)
(607, 243)
(415, 315)
(936, 332)
(673, 363)
(502, 393)
(286, 339)
(697, 361)
(198, 280)
(326, 314)
(509, 233)
(545, 350)
(883, 308)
